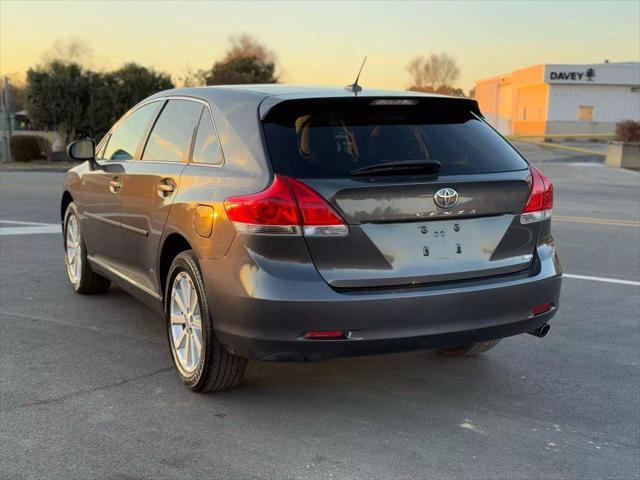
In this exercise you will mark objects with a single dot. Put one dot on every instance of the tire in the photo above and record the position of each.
(211, 367)
(469, 350)
(81, 278)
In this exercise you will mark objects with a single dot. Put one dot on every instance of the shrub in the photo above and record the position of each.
(75, 102)
(628, 131)
(25, 148)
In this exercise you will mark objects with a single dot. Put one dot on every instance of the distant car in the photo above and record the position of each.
(297, 224)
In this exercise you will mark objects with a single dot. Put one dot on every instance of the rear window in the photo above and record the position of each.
(329, 138)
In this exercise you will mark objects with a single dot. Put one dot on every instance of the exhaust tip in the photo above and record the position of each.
(542, 331)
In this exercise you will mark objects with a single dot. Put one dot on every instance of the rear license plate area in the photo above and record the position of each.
(442, 240)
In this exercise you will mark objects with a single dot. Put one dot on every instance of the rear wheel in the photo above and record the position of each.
(201, 361)
(469, 350)
(79, 273)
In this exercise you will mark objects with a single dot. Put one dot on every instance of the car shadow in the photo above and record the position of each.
(407, 384)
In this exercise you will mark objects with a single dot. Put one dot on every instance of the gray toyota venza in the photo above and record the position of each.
(277, 223)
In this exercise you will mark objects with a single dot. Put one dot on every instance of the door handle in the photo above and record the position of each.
(114, 185)
(165, 187)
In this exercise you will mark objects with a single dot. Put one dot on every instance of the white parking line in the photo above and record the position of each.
(28, 228)
(18, 222)
(33, 228)
(602, 279)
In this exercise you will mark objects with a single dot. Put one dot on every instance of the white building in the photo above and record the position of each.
(553, 98)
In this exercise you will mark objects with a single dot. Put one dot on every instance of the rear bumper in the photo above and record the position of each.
(263, 315)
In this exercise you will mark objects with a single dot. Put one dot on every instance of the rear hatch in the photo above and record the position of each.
(429, 191)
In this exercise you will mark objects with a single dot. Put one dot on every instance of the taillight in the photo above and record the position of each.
(318, 218)
(540, 203)
(325, 335)
(286, 207)
(542, 308)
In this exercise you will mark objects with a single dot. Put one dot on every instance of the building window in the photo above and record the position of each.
(585, 113)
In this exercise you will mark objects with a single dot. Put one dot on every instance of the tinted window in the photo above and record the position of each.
(207, 148)
(126, 137)
(332, 137)
(171, 136)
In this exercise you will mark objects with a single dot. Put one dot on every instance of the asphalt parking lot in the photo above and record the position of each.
(88, 390)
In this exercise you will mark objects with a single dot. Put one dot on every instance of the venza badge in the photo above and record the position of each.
(446, 198)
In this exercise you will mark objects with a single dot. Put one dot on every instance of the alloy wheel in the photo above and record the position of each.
(186, 323)
(73, 250)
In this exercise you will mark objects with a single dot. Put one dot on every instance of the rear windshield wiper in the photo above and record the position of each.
(409, 167)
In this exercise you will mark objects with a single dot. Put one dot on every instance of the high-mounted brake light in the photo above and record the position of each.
(540, 203)
(286, 207)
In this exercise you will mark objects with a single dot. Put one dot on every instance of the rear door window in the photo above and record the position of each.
(207, 147)
(125, 138)
(171, 136)
(325, 138)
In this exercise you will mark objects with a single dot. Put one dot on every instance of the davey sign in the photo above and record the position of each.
(587, 75)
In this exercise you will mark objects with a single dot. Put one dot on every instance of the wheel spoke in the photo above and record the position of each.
(195, 355)
(198, 344)
(180, 338)
(196, 321)
(72, 229)
(193, 297)
(187, 350)
(184, 292)
(178, 300)
(177, 319)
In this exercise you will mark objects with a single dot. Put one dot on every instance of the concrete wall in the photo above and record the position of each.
(494, 97)
(611, 104)
(515, 103)
(530, 109)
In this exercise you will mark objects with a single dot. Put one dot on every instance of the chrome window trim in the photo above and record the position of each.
(102, 145)
(133, 109)
(215, 128)
(146, 138)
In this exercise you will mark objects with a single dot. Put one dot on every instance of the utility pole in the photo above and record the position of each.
(6, 111)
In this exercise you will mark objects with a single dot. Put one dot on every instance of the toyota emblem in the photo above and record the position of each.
(446, 198)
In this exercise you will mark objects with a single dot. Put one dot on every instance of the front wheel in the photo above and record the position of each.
(79, 273)
(469, 350)
(201, 361)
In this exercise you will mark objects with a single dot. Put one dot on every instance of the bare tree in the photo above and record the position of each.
(244, 46)
(245, 61)
(434, 72)
(192, 78)
(67, 51)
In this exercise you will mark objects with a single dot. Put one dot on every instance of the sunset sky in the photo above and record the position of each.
(324, 42)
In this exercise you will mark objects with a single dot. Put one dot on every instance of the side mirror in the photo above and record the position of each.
(82, 150)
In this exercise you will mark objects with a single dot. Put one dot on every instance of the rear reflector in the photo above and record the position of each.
(286, 207)
(542, 308)
(324, 334)
(540, 203)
